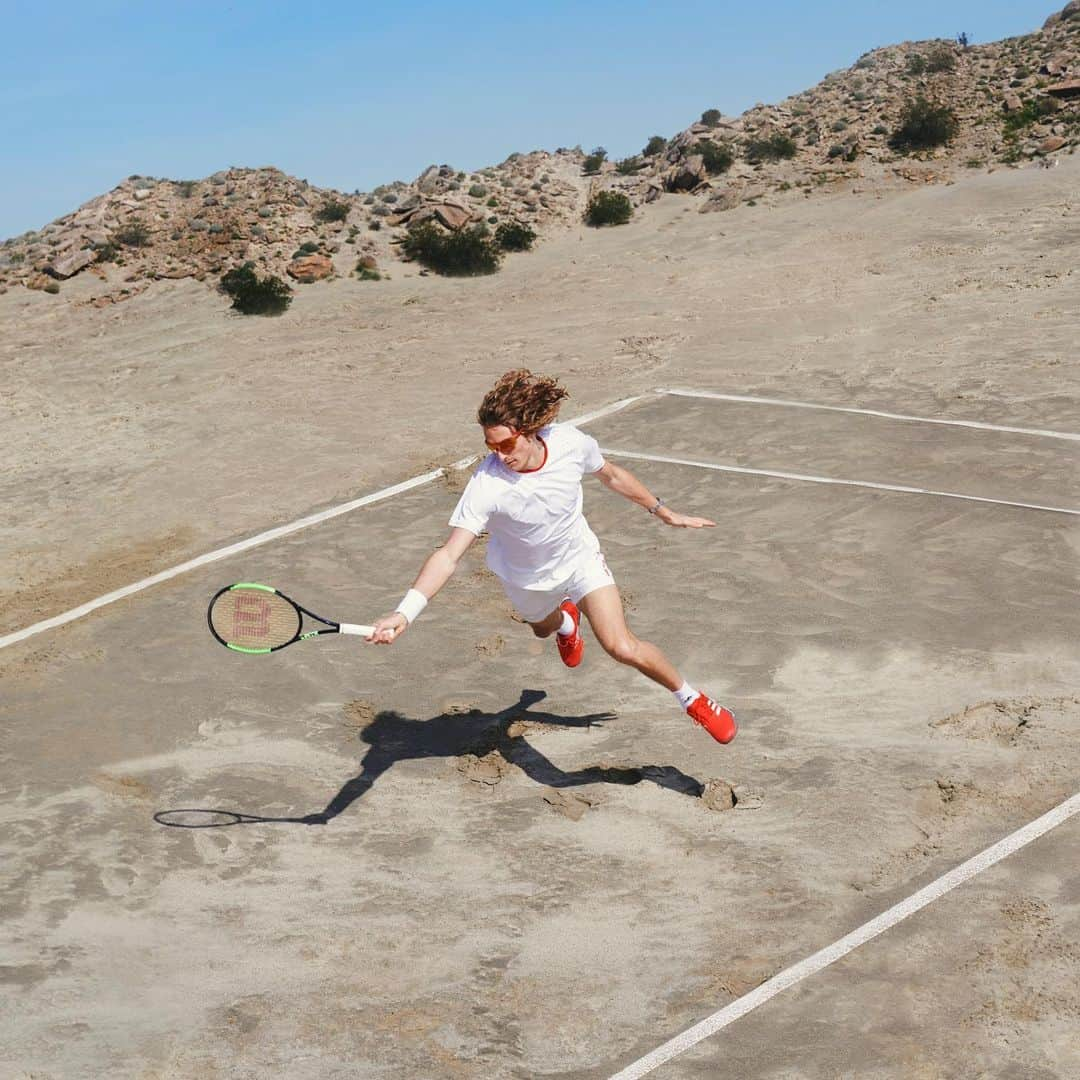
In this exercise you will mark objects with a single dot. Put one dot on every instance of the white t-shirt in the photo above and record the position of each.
(539, 536)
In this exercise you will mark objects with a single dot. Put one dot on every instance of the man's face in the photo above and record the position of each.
(508, 444)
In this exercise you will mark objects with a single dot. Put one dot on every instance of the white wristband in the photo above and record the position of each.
(412, 604)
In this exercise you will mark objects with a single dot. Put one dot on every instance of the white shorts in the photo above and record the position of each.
(534, 605)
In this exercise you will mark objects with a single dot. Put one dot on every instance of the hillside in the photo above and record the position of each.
(1013, 101)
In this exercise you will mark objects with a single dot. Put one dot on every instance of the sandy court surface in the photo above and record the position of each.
(140, 435)
(493, 867)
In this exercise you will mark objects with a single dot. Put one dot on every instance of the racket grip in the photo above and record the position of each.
(355, 628)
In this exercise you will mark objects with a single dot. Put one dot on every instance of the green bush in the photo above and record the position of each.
(773, 148)
(252, 295)
(923, 125)
(628, 166)
(1032, 111)
(52, 288)
(514, 236)
(657, 144)
(134, 235)
(717, 157)
(185, 188)
(461, 254)
(332, 210)
(712, 117)
(477, 191)
(595, 160)
(916, 64)
(105, 253)
(367, 273)
(608, 208)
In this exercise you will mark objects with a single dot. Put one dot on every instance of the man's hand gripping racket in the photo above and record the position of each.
(255, 619)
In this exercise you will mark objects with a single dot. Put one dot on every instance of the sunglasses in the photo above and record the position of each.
(504, 447)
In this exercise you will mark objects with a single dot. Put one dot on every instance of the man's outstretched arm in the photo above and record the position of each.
(624, 482)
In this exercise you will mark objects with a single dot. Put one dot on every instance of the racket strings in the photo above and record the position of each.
(254, 619)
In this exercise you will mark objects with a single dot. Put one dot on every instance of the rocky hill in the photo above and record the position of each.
(1012, 102)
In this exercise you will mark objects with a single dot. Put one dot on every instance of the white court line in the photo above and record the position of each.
(869, 412)
(265, 537)
(831, 480)
(831, 953)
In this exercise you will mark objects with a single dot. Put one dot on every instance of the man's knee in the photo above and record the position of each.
(623, 649)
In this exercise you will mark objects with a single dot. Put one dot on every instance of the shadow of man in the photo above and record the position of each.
(392, 737)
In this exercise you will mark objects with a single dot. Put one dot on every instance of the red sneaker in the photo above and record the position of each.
(715, 719)
(570, 647)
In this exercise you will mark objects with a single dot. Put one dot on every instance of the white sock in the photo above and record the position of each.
(567, 627)
(685, 694)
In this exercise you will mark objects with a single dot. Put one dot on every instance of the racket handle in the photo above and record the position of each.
(355, 628)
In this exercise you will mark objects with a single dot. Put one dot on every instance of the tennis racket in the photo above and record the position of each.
(251, 618)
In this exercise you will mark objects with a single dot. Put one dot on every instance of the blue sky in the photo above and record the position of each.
(350, 95)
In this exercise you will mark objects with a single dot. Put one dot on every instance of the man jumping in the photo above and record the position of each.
(527, 495)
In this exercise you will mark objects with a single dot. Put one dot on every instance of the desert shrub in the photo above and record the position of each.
(52, 288)
(104, 253)
(514, 236)
(332, 210)
(657, 144)
(916, 64)
(772, 148)
(717, 157)
(628, 166)
(134, 235)
(185, 188)
(923, 124)
(375, 225)
(836, 151)
(595, 160)
(608, 208)
(838, 125)
(367, 273)
(1031, 112)
(265, 212)
(252, 295)
(881, 129)
(492, 201)
(369, 200)
(216, 229)
(198, 225)
(712, 117)
(941, 59)
(461, 254)
(477, 191)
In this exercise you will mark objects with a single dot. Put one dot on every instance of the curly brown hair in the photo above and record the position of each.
(522, 401)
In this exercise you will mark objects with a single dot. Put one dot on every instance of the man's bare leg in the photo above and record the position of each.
(603, 609)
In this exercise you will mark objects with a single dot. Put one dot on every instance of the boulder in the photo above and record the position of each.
(1052, 143)
(71, 263)
(452, 216)
(686, 175)
(1012, 103)
(726, 198)
(427, 181)
(310, 268)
